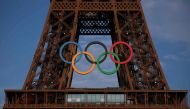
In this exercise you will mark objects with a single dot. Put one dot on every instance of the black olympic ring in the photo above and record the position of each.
(96, 42)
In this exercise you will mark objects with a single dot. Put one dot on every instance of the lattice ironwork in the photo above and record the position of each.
(142, 83)
(98, 6)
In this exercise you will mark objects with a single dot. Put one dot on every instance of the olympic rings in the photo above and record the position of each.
(104, 71)
(93, 60)
(130, 49)
(61, 50)
(74, 67)
(96, 42)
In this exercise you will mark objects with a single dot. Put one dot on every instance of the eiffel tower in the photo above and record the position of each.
(142, 83)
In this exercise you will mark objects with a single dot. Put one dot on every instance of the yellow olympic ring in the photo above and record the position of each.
(74, 67)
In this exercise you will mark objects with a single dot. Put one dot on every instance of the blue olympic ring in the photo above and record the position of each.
(61, 50)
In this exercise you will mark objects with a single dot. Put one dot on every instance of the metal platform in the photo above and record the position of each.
(96, 98)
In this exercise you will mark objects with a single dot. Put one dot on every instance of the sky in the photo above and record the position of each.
(95, 79)
(21, 24)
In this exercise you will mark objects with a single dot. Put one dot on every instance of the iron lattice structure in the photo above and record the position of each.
(142, 83)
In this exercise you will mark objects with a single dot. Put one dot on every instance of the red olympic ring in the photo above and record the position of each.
(130, 49)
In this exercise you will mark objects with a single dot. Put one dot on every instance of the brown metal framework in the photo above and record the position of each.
(141, 81)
